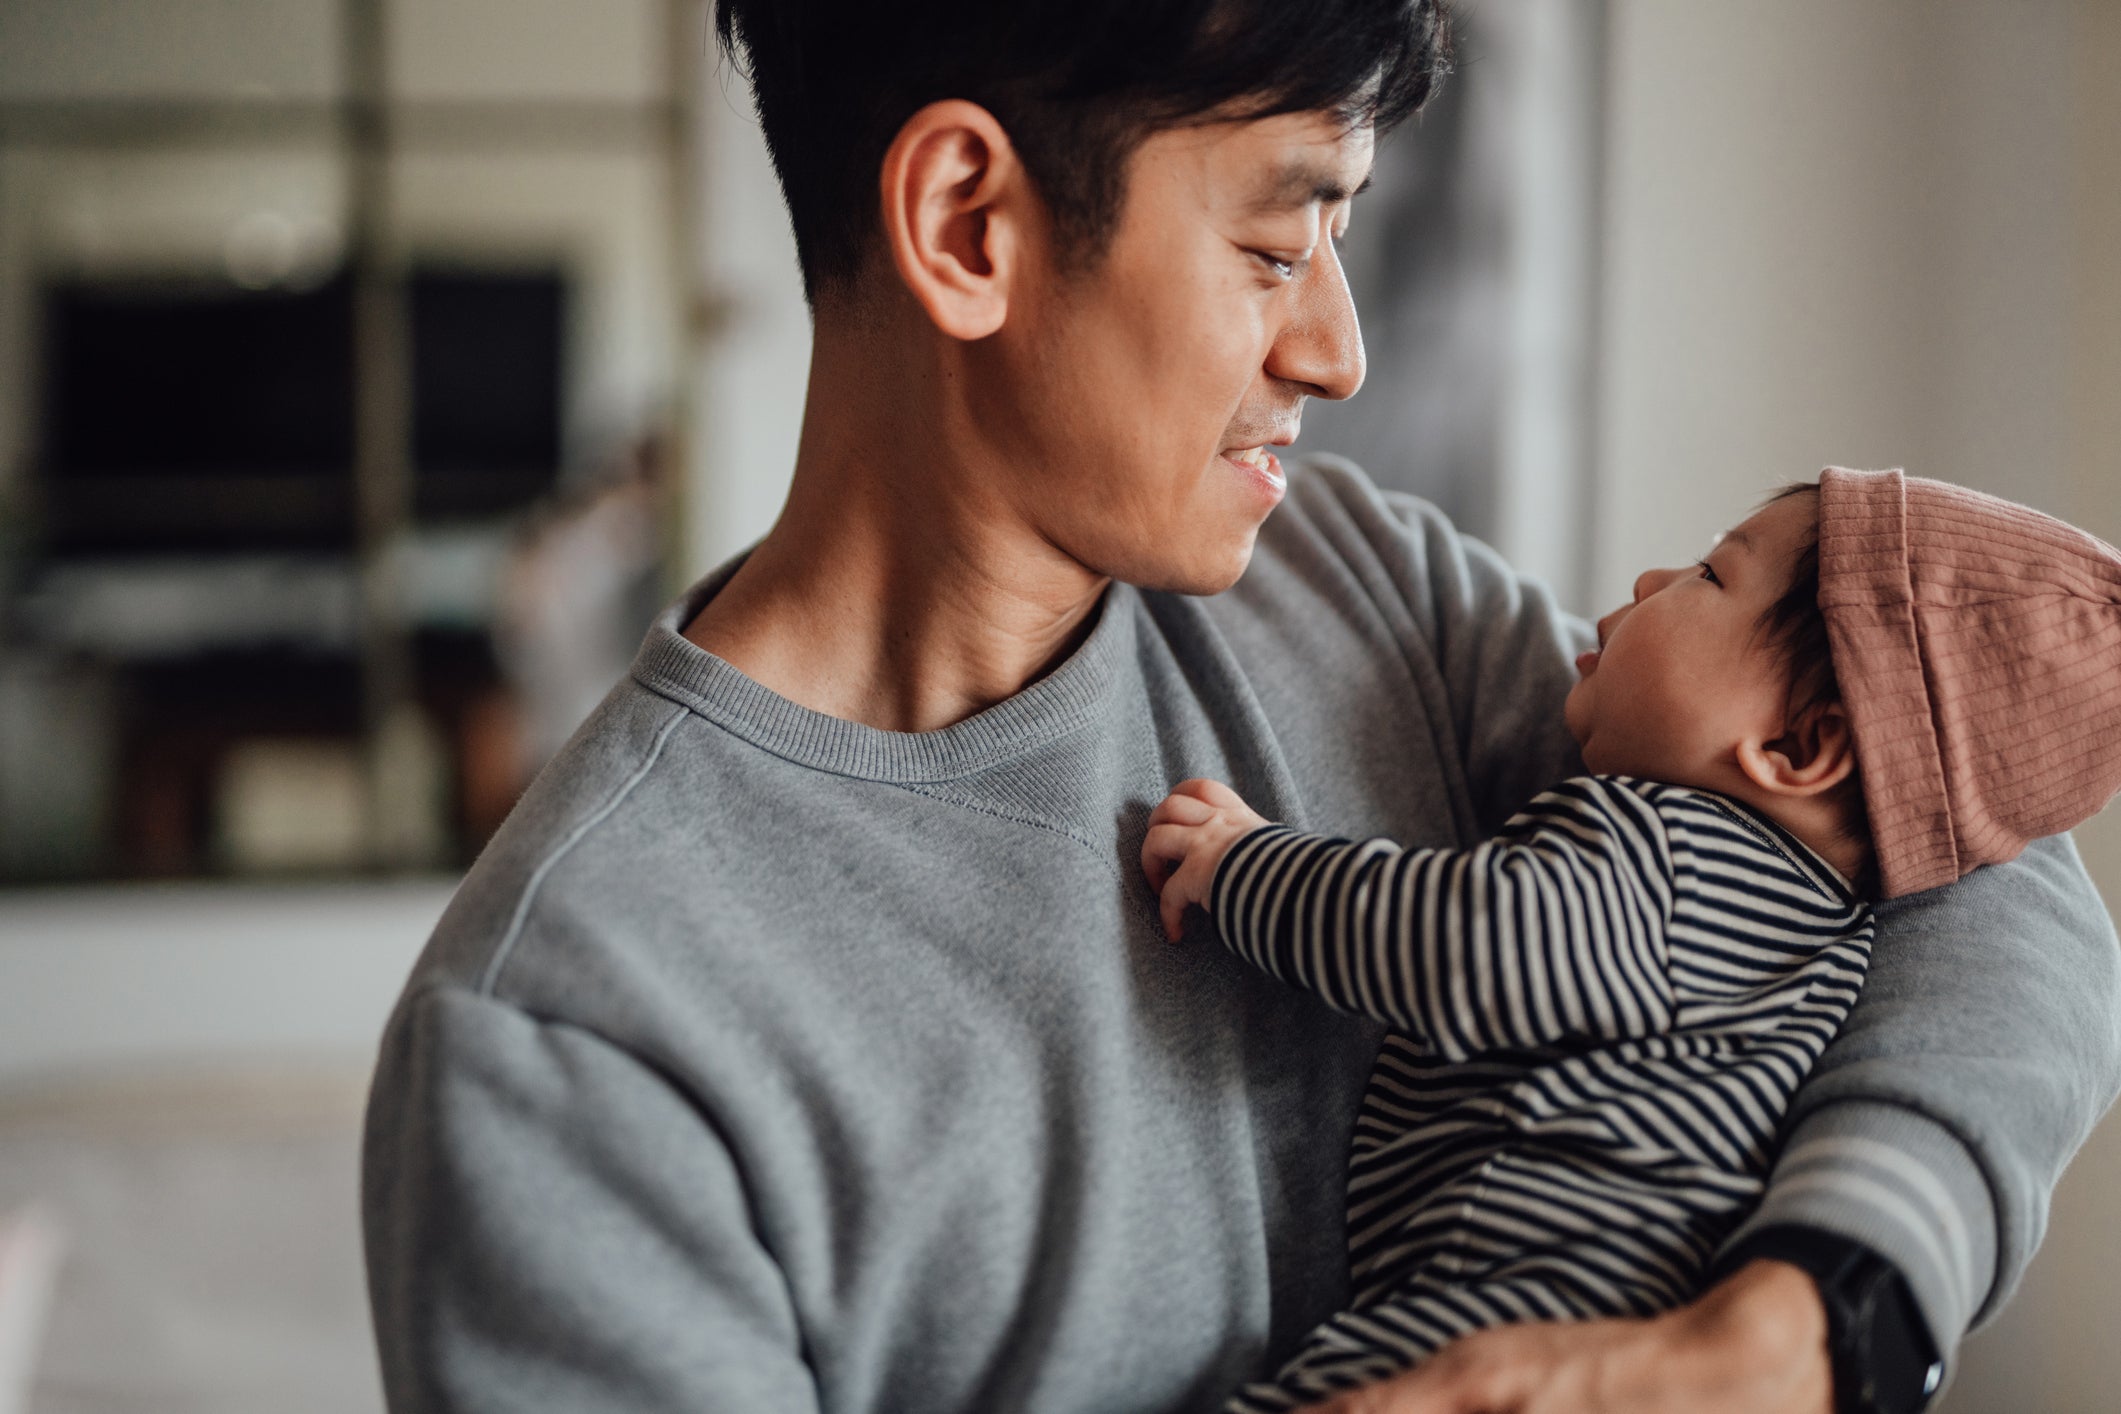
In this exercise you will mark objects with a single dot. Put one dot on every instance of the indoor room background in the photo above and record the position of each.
(372, 370)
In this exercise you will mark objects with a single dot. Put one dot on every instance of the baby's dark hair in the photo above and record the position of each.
(1794, 629)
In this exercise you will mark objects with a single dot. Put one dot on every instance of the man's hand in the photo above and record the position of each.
(1755, 1344)
(1188, 836)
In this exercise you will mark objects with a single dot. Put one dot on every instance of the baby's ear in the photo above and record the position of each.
(1815, 753)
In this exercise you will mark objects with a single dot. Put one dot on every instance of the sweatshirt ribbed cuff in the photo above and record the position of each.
(1903, 1186)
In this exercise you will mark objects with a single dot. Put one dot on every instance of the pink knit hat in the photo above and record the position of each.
(1978, 647)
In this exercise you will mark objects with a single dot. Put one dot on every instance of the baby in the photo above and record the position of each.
(1873, 685)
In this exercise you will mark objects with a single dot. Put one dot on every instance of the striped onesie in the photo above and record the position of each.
(1599, 1018)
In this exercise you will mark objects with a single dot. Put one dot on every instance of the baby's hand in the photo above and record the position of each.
(1188, 836)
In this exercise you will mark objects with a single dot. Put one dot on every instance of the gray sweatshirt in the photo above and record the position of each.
(768, 1061)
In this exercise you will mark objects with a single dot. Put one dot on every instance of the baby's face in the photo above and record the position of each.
(1681, 675)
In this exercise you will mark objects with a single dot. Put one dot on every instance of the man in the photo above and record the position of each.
(804, 1041)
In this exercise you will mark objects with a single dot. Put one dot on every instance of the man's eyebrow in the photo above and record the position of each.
(1303, 184)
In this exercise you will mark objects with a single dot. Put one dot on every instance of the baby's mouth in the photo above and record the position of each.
(1586, 662)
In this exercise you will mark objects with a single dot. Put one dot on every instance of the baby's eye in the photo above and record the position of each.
(1708, 573)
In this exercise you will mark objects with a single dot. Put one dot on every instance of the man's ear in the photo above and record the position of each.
(1815, 753)
(955, 203)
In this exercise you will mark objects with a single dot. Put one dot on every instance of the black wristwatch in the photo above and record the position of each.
(1883, 1356)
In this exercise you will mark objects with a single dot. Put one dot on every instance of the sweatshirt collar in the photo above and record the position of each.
(1064, 699)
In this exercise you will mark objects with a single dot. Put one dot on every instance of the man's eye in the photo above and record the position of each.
(1283, 269)
(1708, 573)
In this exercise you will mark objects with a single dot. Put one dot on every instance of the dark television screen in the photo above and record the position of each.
(486, 388)
(193, 417)
(153, 379)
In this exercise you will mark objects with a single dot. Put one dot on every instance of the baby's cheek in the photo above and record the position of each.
(1639, 726)
(1572, 713)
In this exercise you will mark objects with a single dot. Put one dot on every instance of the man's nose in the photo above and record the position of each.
(1320, 347)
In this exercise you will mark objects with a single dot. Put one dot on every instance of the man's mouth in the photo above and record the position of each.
(1261, 460)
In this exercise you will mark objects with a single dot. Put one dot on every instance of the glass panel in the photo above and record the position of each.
(609, 52)
(71, 50)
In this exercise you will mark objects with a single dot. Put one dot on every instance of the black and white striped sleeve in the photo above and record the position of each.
(1556, 929)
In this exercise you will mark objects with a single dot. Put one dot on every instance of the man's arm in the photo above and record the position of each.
(1506, 652)
(1986, 1043)
(551, 1225)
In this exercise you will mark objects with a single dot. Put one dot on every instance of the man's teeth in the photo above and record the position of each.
(1251, 456)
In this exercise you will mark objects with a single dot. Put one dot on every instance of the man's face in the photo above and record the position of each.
(1150, 391)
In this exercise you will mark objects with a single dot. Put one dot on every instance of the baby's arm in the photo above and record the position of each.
(1557, 930)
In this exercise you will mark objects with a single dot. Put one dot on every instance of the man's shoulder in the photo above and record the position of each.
(1320, 558)
(1342, 549)
(575, 863)
(1334, 508)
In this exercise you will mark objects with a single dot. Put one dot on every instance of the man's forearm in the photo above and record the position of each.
(1755, 1344)
(1984, 1048)
(1900, 1184)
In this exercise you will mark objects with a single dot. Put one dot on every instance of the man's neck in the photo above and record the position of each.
(893, 590)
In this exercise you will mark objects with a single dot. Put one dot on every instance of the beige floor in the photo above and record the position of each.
(213, 1264)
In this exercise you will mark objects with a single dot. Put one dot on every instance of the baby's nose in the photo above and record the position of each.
(1652, 580)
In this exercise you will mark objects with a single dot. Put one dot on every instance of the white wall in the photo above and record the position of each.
(1878, 234)
(1836, 234)
(176, 976)
(2094, 373)
(753, 355)
(2054, 1348)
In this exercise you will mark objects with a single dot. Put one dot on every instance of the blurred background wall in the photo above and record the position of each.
(369, 371)
(1877, 234)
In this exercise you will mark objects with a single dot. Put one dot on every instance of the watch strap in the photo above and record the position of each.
(1883, 1357)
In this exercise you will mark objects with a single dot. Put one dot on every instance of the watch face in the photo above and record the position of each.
(1887, 1339)
(1884, 1359)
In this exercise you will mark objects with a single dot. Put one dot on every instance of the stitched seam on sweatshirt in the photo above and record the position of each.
(492, 974)
(1119, 876)
(924, 790)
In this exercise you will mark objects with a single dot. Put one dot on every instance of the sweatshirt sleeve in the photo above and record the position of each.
(1985, 1045)
(1557, 930)
(1506, 651)
(551, 1225)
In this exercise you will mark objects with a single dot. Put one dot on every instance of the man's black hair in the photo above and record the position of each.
(1077, 84)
